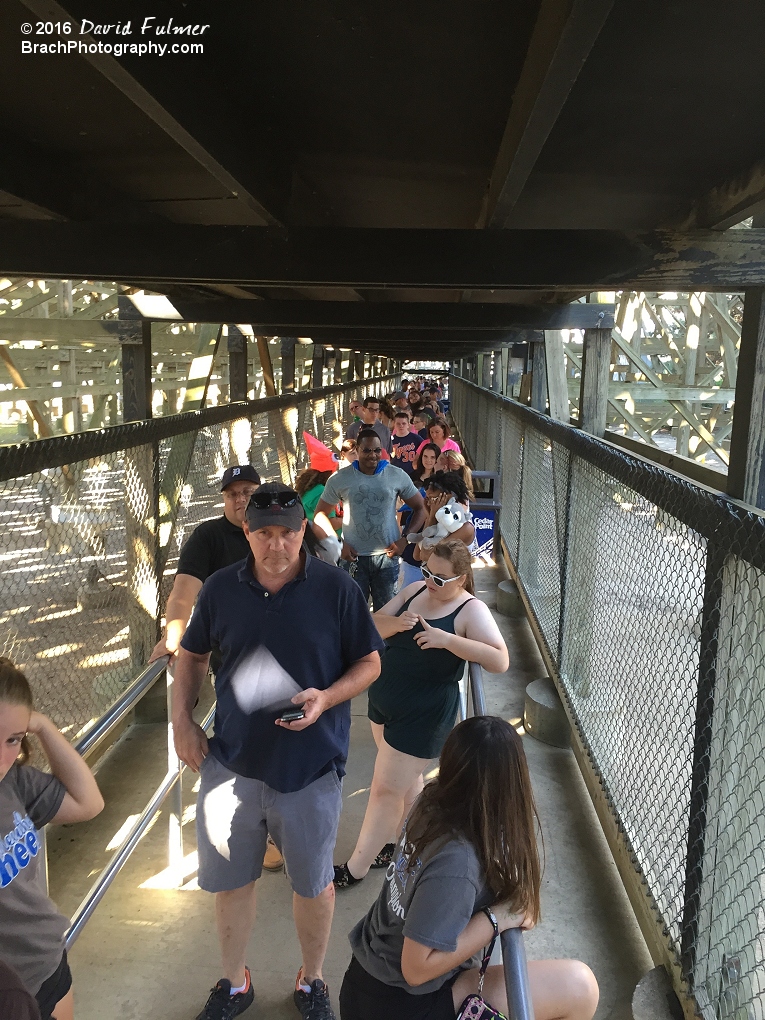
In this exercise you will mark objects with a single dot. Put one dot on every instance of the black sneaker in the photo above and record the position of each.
(314, 1005)
(384, 857)
(222, 1005)
(343, 879)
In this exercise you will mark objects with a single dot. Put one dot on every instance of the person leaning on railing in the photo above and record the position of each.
(465, 869)
(210, 547)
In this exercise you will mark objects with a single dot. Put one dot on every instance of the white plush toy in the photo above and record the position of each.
(449, 518)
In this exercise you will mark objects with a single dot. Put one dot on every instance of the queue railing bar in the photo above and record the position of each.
(126, 847)
(514, 961)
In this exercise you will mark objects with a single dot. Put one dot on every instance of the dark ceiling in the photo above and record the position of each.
(619, 115)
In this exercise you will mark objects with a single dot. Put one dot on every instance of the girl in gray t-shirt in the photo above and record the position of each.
(31, 929)
(465, 868)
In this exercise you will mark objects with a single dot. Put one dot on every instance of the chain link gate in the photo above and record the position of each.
(92, 524)
(647, 594)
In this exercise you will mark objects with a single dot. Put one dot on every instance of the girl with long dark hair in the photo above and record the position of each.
(465, 867)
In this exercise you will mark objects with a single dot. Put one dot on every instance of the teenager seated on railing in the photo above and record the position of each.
(465, 868)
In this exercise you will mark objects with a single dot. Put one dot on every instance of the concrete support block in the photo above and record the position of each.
(509, 601)
(543, 714)
(654, 998)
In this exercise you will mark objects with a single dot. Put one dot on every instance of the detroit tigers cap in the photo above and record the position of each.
(239, 473)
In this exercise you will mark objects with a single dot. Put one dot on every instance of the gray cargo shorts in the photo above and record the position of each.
(235, 815)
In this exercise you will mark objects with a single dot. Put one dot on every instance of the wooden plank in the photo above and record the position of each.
(646, 393)
(746, 472)
(563, 36)
(557, 388)
(288, 317)
(236, 345)
(538, 395)
(593, 398)
(266, 366)
(37, 412)
(288, 363)
(66, 331)
(580, 260)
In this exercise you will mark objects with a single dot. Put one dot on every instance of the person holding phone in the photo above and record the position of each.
(296, 637)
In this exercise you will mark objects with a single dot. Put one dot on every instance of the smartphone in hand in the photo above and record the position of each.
(292, 715)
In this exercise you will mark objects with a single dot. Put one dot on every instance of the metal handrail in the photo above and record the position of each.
(125, 849)
(117, 712)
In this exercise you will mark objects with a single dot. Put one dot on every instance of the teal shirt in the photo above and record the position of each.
(311, 499)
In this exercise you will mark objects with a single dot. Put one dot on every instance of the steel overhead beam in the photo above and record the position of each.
(563, 36)
(583, 260)
(283, 318)
(113, 71)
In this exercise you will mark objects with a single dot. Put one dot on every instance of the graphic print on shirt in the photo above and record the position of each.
(260, 684)
(19, 848)
(369, 511)
(398, 876)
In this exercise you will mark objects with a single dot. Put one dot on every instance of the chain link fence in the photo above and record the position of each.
(91, 525)
(648, 594)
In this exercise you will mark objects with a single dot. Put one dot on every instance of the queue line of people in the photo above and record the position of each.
(273, 769)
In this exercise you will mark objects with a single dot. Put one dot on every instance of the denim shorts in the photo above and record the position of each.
(236, 814)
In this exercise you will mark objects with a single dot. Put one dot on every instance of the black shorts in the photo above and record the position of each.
(54, 988)
(363, 997)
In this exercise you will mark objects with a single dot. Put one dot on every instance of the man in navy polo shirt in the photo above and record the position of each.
(294, 632)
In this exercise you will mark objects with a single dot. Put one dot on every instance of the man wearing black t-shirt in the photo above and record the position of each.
(210, 547)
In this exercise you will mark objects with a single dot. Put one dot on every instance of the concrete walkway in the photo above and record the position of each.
(150, 949)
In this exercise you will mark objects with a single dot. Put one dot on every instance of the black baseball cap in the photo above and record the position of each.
(239, 473)
(275, 503)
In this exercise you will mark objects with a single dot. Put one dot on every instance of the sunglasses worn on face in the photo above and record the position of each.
(438, 581)
(263, 500)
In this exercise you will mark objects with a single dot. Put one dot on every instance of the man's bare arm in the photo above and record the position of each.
(180, 603)
(190, 738)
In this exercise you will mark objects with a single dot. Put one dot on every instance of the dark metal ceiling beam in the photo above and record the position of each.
(581, 260)
(282, 318)
(563, 36)
(115, 72)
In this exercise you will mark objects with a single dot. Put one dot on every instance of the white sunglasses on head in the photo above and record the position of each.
(439, 581)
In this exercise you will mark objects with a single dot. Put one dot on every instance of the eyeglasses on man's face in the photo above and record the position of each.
(438, 581)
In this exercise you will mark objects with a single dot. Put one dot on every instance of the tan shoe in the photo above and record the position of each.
(273, 860)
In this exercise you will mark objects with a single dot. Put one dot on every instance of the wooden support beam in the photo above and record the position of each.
(288, 363)
(730, 202)
(556, 260)
(666, 394)
(60, 331)
(563, 36)
(746, 472)
(593, 398)
(317, 367)
(135, 339)
(37, 412)
(538, 378)
(266, 366)
(303, 316)
(557, 387)
(237, 364)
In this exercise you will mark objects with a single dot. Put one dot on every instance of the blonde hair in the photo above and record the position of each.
(459, 556)
(15, 690)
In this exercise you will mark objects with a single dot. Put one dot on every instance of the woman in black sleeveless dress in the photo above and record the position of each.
(431, 629)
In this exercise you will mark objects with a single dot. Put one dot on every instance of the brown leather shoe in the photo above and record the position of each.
(273, 860)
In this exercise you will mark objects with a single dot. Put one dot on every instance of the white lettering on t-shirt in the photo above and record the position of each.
(20, 847)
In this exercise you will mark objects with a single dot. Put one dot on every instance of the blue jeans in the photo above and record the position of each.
(377, 575)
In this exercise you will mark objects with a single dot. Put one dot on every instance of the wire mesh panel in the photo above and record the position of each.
(91, 526)
(656, 591)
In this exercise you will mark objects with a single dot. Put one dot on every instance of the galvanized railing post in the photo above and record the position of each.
(520, 1006)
